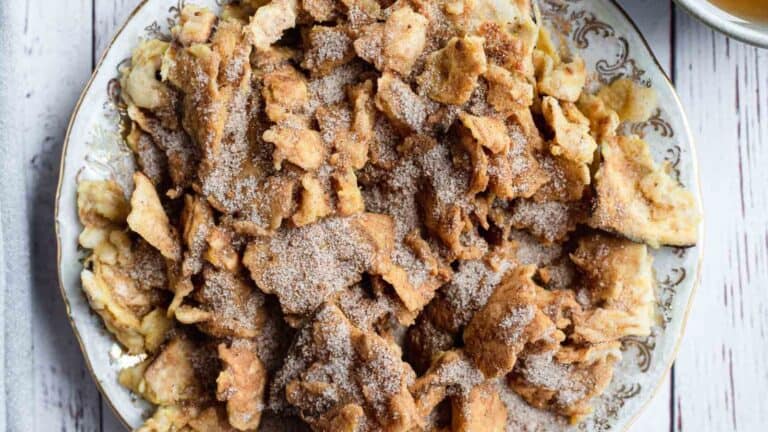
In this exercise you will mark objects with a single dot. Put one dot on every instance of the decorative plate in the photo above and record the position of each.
(598, 30)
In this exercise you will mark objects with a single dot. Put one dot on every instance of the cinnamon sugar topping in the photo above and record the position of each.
(326, 188)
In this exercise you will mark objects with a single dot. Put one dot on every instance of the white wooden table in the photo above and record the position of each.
(719, 382)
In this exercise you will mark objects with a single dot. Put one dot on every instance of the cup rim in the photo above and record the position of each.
(721, 23)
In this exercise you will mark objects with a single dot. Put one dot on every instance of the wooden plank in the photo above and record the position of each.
(54, 72)
(109, 16)
(722, 371)
(17, 332)
(47, 384)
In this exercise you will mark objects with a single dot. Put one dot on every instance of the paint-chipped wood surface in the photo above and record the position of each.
(719, 382)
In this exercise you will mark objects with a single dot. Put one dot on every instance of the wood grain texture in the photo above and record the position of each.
(108, 17)
(721, 380)
(17, 331)
(47, 386)
(54, 72)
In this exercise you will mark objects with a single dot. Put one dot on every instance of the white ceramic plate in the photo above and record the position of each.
(753, 33)
(598, 29)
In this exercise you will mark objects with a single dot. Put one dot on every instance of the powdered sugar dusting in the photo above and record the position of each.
(523, 417)
(331, 89)
(459, 376)
(471, 287)
(353, 368)
(550, 221)
(542, 370)
(515, 322)
(310, 263)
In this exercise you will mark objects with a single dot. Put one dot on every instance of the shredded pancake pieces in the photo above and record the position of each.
(364, 215)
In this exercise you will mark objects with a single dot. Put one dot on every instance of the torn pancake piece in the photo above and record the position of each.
(241, 384)
(148, 219)
(546, 381)
(640, 200)
(509, 320)
(619, 284)
(339, 377)
(305, 266)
